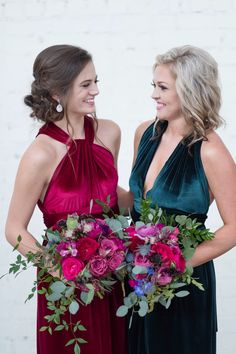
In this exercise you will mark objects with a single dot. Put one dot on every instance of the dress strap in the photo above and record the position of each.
(89, 129)
(60, 135)
(54, 132)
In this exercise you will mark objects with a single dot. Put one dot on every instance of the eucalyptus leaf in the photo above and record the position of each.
(114, 224)
(176, 285)
(143, 305)
(142, 312)
(53, 237)
(123, 220)
(90, 296)
(133, 298)
(122, 311)
(54, 296)
(182, 293)
(162, 301)
(139, 270)
(58, 286)
(139, 224)
(168, 302)
(128, 302)
(74, 307)
(84, 296)
(69, 291)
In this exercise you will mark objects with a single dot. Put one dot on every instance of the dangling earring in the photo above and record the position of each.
(59, 107)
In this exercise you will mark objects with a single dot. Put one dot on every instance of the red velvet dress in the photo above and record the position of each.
(86, 172)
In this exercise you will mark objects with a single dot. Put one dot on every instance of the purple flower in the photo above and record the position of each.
(148, 287)
(138, 290)
(67, 248)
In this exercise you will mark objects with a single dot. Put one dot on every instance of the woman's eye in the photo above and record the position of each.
(96, 81)
(163, 88)
(86, 85)
(153, 84)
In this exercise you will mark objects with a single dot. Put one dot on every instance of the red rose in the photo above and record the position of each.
(86, 248)
(71, 267)
(165, 252)
(180, 263)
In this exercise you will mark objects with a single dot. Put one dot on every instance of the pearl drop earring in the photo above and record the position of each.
(59, 107)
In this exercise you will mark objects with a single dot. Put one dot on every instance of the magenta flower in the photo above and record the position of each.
(132, 283)
(71, 267)
(92, 229)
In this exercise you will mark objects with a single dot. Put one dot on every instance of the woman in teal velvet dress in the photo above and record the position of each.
(182, 165)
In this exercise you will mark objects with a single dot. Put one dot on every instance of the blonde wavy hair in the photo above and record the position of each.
(197, 86)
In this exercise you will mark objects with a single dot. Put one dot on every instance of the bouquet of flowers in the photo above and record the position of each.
(156, 261)
(85, 256)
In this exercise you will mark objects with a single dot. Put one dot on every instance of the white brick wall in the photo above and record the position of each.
(124, 36)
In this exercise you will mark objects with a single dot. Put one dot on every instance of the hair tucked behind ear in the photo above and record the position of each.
(54, 71)
(196, 73)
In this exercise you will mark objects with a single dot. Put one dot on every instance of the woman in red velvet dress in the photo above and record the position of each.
(71, 161)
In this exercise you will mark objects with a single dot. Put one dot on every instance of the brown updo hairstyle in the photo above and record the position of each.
(54, 70)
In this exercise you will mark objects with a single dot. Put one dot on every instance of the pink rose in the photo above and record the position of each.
(115, 261)
(120, 244)
(98, 266)
(107, 247)
(146, 231)
(141, 260)
(71, 267)
(162, 277)
(86, 248)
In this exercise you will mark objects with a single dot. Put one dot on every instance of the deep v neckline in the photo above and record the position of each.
(165, 165)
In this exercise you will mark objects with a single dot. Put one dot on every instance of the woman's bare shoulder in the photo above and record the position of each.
(40, 153)
(141, 129)
(214, 149)
(108, 125)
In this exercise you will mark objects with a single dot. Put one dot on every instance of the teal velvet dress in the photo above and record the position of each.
(189, 325)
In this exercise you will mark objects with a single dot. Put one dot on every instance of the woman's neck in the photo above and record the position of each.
(75, 126)
(177, 128)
